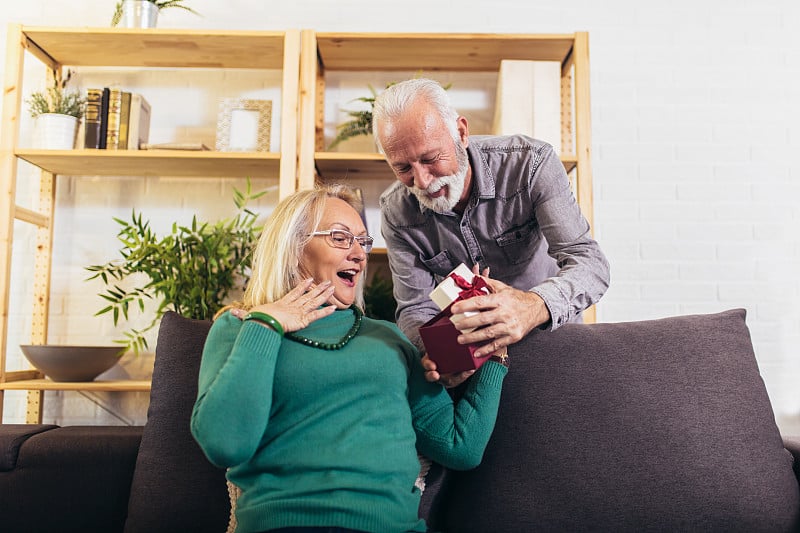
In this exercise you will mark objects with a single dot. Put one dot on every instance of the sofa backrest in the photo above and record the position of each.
(653, 425)
(174, 486)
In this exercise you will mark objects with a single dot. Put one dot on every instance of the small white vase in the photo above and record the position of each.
(138, 14)
(54, 131)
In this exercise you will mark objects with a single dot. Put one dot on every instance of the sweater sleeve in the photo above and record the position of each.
(234, 389)
(455, 434)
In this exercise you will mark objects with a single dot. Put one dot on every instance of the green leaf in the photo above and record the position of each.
(104, 310)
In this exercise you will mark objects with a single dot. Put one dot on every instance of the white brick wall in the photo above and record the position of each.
(696, 124)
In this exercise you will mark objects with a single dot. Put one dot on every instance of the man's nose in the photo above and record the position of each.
(422, 177)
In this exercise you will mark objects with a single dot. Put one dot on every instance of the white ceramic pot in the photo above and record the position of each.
(138, 14)
(53, 131)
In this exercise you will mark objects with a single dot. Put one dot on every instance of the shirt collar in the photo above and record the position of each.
(483, 181)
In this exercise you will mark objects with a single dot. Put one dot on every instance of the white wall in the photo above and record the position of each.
(695, 121)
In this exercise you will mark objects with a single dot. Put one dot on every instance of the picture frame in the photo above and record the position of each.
(244, 125)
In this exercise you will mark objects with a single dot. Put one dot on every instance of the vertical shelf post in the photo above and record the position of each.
(289, 113)
(9, 132)
(583, 137)
(309, 101)
(583, 124)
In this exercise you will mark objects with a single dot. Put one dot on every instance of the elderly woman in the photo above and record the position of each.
(316, 410)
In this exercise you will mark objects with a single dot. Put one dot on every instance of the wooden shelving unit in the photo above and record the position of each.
(323, 53)
(59, 48)
(304, 58)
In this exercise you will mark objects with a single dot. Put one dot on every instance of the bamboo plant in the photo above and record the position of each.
(191, 271)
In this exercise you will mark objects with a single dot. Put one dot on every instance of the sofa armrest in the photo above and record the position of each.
(12, 437)
(74, 478)
(792, 444)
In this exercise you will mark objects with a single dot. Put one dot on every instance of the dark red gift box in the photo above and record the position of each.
(439, 336)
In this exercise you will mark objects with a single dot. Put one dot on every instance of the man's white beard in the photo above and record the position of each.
(453, 182)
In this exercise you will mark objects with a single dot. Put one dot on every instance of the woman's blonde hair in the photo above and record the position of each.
(276, 257)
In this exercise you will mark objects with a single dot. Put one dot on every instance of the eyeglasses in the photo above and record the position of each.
(339, 238)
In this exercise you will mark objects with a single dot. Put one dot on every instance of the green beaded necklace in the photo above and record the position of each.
(327, 345)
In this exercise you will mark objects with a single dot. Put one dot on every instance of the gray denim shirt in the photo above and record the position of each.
(522, 221)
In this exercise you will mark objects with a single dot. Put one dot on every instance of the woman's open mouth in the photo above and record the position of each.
(348, 276)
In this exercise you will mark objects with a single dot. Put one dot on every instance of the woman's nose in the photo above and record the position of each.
(357, 252)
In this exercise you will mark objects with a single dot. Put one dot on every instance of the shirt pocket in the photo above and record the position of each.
(440, 264)
(519, 242)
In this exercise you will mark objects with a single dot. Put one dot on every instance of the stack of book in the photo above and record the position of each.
(116, 119)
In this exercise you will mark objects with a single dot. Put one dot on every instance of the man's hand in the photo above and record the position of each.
(503, 317)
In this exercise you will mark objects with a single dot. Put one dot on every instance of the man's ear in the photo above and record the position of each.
(463, 130)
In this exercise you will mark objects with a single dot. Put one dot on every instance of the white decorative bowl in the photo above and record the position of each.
(72, 363)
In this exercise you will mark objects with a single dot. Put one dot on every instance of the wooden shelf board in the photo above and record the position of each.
(432, 52)
(156, 47)
(154, 163)
(124, 385)
(341, 166)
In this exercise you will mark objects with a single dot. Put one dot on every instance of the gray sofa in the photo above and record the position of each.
(660, 425)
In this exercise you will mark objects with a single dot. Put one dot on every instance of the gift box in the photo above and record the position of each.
(453, 286)
(439, 334)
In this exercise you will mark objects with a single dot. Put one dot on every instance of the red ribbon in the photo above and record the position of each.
(476, 288)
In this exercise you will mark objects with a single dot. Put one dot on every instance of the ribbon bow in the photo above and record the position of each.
(476, 288)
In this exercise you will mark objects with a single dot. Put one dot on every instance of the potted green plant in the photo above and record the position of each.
(56, 112)
(144, 13)
(360, 123)
(191, 271)
(58, 101)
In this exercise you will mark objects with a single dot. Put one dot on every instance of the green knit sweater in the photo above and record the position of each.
(330, 438)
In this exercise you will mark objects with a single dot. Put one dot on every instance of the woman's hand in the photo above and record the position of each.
(448, 380)
(299, 308)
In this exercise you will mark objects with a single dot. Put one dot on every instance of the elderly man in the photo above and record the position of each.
(500, 204)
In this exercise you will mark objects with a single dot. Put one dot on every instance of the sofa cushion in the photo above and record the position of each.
(174, 487)
(654, 425)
